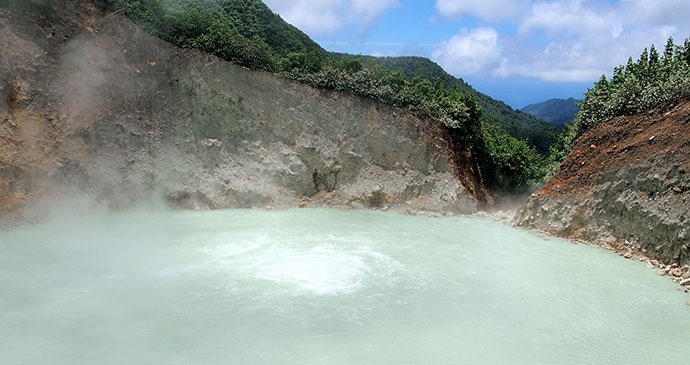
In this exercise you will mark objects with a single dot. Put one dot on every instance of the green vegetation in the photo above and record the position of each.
(555, 111)
(638, 87)
(516, 123)
(248, 33)
(457, 109)
(650, 82)
(510, 165)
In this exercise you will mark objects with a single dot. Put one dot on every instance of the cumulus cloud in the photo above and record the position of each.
(487, 9)
(660, 12)
(569, 17)
(560, 40)
(468, 52)
(324, 17)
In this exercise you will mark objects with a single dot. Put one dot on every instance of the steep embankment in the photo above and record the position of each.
(625, 185)
(92, 104)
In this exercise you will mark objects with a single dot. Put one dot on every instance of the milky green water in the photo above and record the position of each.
(324, 287)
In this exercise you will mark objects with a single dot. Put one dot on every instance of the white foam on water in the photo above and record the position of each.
(322, 268)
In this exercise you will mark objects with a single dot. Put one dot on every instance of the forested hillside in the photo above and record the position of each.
(243, 31)
(555, 111)
(246, 32)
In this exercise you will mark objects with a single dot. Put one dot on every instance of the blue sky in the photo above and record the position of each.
(518, 51)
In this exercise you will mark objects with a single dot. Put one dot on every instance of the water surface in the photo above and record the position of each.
(324, 287)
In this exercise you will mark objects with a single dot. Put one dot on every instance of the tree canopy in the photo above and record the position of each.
(638, 87)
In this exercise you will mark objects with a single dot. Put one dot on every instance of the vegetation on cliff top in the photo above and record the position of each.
(247, 32)
(638, 87)
(507, 120)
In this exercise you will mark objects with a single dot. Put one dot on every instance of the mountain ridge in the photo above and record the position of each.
(556, 111)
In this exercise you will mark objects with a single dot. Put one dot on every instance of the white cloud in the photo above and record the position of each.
(468, 52)
(588, 38)
(659, 12)
(324, 17)
(486, 9)
(560, 40)
(569, 17)
(555, 40)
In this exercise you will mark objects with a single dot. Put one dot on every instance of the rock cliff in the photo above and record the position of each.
(625, 185)
(91, 104)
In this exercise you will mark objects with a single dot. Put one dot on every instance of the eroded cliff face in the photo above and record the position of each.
(625, 185)
(91, 104)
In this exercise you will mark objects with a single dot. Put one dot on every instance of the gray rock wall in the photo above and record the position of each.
(96, 106)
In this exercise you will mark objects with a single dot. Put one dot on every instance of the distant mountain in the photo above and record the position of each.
(555, 111)
(514, 122)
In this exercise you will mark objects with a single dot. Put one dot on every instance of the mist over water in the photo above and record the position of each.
(323, 286)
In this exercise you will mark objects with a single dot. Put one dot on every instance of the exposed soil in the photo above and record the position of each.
(625, 186)
(660, 136)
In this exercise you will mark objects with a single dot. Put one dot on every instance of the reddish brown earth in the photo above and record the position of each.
(662, 135)
(626, 186)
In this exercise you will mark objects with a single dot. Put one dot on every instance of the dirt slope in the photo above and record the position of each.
(91, 104)
(625, 185)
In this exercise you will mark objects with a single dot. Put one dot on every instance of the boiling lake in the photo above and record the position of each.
(324, 287)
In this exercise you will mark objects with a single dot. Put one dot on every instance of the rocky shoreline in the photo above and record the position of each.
(676, 273)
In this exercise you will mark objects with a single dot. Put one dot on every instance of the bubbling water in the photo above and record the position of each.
(324, 286)
(313, 265)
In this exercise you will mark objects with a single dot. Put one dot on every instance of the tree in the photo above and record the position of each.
(653, 56)
(618, 75)
(629, 67)
(353, 65)
(301, 63)
(509, 164)
(643, 65)
(669, 51)
(639, 87)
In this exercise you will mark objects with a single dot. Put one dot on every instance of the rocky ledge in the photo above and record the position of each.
(625, 186)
